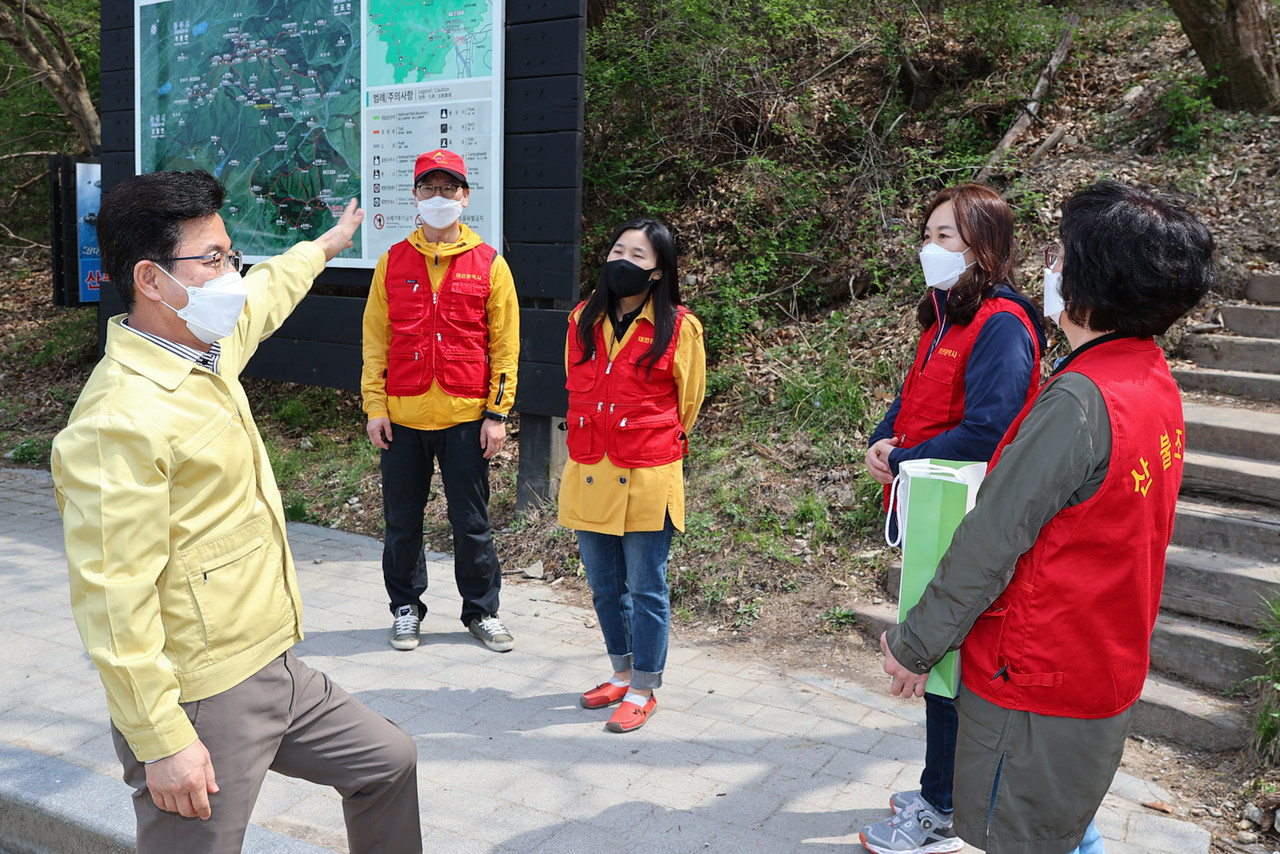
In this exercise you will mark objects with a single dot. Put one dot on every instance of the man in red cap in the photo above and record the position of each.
(441, 343)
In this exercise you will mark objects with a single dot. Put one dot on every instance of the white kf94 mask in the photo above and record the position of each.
(942, 267)
(213, 309)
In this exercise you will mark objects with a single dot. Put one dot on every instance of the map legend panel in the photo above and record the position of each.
(397, 137)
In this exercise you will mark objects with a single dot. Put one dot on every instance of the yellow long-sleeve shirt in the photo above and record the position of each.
(607, 499)
(436, 409)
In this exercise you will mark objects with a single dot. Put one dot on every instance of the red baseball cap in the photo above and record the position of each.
(443, 160)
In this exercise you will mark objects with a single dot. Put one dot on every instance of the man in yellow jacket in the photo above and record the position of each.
(441, 344)
(182, 584)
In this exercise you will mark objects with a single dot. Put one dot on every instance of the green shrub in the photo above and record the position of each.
(838, 619)
(1187, 112)
(1266, 726)
(32, 451)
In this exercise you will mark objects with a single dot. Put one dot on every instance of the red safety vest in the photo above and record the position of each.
(620, 408)
(440, 336)
(933, 392)
(1070, 636)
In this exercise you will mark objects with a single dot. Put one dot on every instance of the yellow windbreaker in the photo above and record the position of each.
(182, 583)
(436, 409)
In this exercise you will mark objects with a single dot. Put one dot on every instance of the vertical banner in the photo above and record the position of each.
(88, 197)
(297, 107)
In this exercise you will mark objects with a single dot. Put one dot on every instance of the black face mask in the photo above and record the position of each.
(624, 279)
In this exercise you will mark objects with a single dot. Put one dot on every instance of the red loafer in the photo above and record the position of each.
(629, 716)
(604, 694)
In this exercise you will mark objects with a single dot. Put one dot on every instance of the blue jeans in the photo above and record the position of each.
(941, 727)
(628, 578)
(1092, 842)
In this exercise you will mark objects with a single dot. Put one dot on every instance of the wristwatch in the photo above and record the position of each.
(494, 416)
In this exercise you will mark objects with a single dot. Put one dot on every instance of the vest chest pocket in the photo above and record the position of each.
(637, 362)
(406, 299)
(466, 301)
(940, 388)
(581, 377)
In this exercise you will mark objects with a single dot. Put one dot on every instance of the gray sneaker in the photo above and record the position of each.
(407, 628)
(906, 800)
(491, 631)
(913, 831)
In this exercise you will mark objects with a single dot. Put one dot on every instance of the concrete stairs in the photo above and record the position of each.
(1224, 562)
(1245, 362)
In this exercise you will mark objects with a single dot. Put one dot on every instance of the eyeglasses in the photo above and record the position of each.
(1052, 255)
(233, 259)
(446, 190)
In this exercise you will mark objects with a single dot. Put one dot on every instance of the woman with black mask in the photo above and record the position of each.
(636, 370)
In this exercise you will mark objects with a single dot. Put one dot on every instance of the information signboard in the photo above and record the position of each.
(298, 107)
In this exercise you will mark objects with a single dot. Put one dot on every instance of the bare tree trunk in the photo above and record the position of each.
(1234, 41)
(597, 11)
(40, 43)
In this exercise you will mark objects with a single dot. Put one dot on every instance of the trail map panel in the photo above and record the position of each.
(264, 94)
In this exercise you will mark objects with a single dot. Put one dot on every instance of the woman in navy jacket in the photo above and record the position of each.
(977, 363)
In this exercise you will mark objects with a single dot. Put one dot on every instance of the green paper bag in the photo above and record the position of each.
(930, 498)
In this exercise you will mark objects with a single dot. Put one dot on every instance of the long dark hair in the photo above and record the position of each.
(665, 293)
(985, 223)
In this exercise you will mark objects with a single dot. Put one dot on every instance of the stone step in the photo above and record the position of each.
(1195, 718)
(1255, 321)
(1219, 657)
(875, 619)
(1234, 353)
(1232, 431)
(1229, 383)
(1218, 586)
(1233, 478)
(1167, 709)
(1247, 530)
(1263, 289)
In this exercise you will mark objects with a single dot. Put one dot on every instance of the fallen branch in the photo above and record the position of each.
(1047, 145)
(28, 154)
(23, 239)
(1032, 106)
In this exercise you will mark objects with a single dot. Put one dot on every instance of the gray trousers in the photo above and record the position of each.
(290, 719)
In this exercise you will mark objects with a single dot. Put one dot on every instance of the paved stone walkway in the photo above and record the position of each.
(739, 758)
